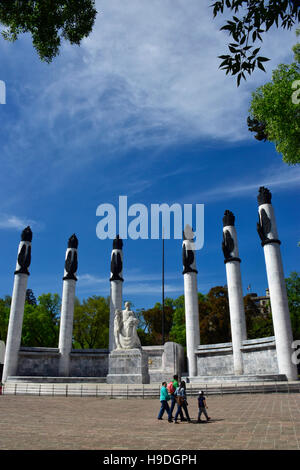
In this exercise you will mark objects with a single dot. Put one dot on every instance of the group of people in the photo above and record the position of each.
(177, 394)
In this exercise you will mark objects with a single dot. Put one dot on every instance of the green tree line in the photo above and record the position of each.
(91, 319)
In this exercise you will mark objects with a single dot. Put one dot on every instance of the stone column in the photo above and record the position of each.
(67, 307)
(116, 285)
(267, 231)
(190, 300)
(14, 332)
(235, 291)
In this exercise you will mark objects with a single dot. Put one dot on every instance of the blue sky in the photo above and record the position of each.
(140, 109)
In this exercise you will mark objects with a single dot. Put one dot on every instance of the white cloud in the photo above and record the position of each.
(17, 223)
(148, 74)
(136, 283)
(275, 179)
(147, 77)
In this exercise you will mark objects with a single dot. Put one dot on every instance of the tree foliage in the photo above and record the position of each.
(4, 316)
(250, 21)
(48, 22)
(91, 323)
(293, 293)
(153, 323)
(275, 111)
(30, 297)
(91, 319)
(259, 324)
(178, 331)
(41, 322)
(215, 319)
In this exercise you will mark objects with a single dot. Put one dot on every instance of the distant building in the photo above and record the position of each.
(262, 302)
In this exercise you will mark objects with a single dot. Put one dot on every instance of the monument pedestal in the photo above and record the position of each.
(128, 366)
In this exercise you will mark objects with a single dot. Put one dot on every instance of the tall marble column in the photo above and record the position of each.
(67, 307)
(14, 333)
(267, 231)
(190, 300)
(235, 291)
(116, 286)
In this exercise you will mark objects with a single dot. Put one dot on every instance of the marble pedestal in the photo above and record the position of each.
(128, 366)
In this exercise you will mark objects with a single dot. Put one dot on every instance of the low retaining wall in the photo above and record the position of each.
(214, 360)
(163, 362)
(259, 358)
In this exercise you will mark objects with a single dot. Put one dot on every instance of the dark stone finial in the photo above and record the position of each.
(264, 196)
(228, 218)
(73, 241)
(188, 256)
(118, 243)
(24, 255)
(26, 235)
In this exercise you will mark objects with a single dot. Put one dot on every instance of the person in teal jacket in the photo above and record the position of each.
(164, 397)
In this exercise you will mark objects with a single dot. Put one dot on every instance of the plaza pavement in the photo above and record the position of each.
(239, 422)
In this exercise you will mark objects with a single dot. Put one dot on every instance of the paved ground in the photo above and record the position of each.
(256, 421)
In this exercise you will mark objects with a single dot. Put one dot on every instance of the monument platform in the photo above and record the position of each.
(128, 366)
(204, 379)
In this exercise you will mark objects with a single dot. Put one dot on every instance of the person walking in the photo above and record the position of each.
(202, 406)
(173, 397)
(180, 394)
(164, 398)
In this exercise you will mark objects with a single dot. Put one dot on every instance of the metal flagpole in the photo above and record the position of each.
(163, 287)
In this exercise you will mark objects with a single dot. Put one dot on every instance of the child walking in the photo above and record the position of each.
(202, 406)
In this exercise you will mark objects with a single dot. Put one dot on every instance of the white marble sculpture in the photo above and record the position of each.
(125, 329)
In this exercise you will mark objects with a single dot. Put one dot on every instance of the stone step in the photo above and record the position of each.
(55, 380)
(142, 390)
(238, 378)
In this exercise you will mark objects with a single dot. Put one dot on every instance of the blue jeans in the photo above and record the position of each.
(164, 407)
(173, 402)
(179, 410)
(200, 411)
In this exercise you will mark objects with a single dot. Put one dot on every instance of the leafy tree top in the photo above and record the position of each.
(48, 22)
(251, 19)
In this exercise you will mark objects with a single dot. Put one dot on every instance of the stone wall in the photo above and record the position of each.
(259, 357)
(41, 362)
(89, 363)
(163, 362)
(214, 359)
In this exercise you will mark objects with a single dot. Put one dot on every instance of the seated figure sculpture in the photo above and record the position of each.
(125, 325)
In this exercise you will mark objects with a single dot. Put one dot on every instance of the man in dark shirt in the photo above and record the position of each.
(202, 406)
